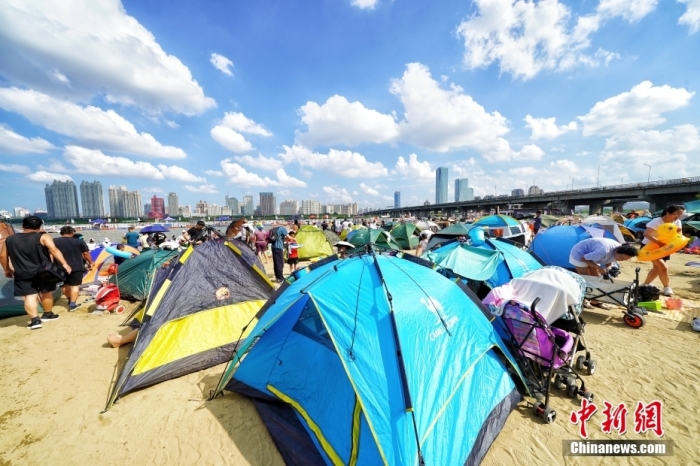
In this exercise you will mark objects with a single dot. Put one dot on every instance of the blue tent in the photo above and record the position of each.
(493, 261)
(503, 226)
(553, 245)
(376, 359)
(638, 224)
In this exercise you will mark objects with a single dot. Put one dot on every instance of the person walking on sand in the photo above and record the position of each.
(27, 251)
(76, 253)
(132, 238)
(260, 236)
(670, 214)
(292, 251)
(278, 236)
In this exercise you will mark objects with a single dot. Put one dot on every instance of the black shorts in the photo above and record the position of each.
(293, 260)
(666, 258)
(31, 286)
(74, 279)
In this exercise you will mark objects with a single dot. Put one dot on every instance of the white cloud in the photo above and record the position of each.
(365, 4)
(368, 190)
(178, 173)
(341, 122)
(641, 108)
(230, 139)
(13, 143)
(526, 37)
(221, 63)
(205, 189)
(345, 164)
(691, 17)
(214, 172)
(262, 162)
(99, 49)
(151, 190)
(241, 123)
(94, 162)
(442, 120)
(529, 152)
(631, 10)
(546, 128)
(14, 168)
(46, 177)
(239, 176)
(228, 132)
(682, 138)
(334, 194)
(171, 124)
(414, 169)
(90, 126)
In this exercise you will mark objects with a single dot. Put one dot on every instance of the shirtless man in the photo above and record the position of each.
(24, 250)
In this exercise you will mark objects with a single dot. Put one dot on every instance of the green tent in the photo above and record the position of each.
(405, 235)
(379, 237)
(313, 243)
(331, 237)
(134, 275)
(449, 233)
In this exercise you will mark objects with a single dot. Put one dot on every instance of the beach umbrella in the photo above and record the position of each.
(99, 220)
(168, 219)
(224, 218)
(155, 229)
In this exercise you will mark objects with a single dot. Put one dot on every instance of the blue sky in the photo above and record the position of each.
(345, 100)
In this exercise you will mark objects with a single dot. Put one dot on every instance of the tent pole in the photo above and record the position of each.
(408, 403)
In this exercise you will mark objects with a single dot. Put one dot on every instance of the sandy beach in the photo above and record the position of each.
(55, 382)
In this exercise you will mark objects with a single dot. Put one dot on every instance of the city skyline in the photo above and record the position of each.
(345, 103)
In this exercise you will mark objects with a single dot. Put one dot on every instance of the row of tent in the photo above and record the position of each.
(366, 360)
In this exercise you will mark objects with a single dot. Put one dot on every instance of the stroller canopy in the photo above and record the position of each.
(553, 246)
(323, 370)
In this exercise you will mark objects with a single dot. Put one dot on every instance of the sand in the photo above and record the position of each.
(55, 382)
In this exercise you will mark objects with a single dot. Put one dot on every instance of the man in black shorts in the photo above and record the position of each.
(27, 251)
(76, 253)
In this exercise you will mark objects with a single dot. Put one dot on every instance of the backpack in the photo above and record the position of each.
(273, 237)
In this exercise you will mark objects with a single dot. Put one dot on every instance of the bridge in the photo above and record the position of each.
(658, 194)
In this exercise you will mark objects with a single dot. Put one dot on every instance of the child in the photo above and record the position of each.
(292, 252)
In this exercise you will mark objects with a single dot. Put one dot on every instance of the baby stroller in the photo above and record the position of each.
(626, 294)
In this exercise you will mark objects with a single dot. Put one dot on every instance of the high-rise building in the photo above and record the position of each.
(123, 203)
(534, 191)
(289, 207)
(184, 211)
(21, 212)
(310, 207)
(62, 199)
(92, 199)
(201, 207)
(248, 205)
(441, 185)
(157, 207)
(397, 199)
(147, 210)
(173, 205)
(267, 204)
(517, 192)
(462, 190)
(232, 203)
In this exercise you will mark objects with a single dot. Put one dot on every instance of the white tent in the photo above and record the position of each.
(608, 223)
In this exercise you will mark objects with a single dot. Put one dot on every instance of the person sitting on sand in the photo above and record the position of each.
(117, 340)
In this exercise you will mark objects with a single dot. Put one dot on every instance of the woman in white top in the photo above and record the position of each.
(671, 214)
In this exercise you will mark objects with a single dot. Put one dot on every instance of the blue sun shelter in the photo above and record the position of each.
(553, 245)
(492, 261)
(376, 359)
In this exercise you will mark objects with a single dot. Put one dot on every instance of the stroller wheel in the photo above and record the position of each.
(591, 366)
(572, 390)
(580, 362)
(549, 415)
(558, 382)
(634, 320)
(588, 395)
(538, 408)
